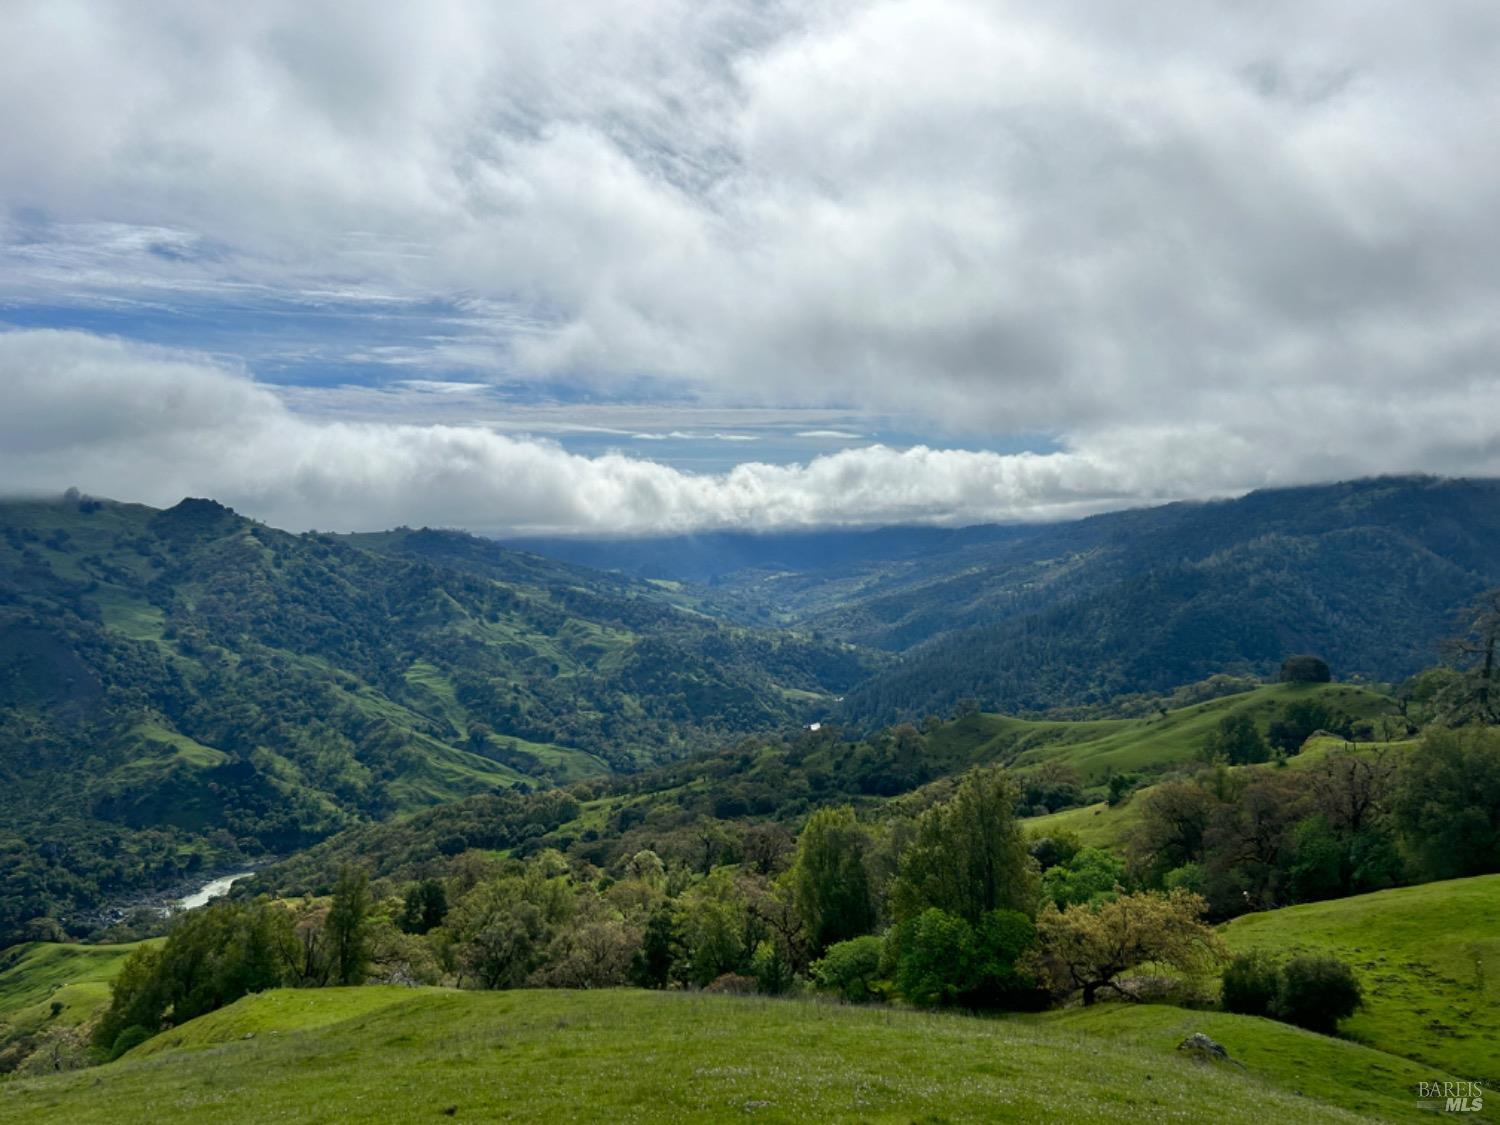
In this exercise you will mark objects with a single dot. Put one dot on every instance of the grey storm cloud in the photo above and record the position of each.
(1202, 247)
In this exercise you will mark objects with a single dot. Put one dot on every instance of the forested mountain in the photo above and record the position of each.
(1367, 573)
(187, 686)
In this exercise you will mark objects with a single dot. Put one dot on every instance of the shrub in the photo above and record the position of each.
(1316, 991)
(1305, 670)
(732, 984)
(936, 959)
(941, 959)
(132, 1036)
(1251, 982)
(850, 968)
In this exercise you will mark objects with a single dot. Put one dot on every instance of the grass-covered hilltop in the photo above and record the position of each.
(532, 841)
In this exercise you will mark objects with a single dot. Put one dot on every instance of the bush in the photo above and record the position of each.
(941, 959)
(937, 958)
(850, 968)
(732, 984)
(132, 1036)
(1304, 670)
(1251, 982)
(1316, 992)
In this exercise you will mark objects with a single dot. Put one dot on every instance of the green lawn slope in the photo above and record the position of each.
(1429, 960)
(1348, 1074)
(36, 976)
(388, 1054)
(1101, 747)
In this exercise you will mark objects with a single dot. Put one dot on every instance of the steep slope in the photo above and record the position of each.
(187, 686)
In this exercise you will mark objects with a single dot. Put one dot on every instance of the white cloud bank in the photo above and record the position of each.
(123, 420)
(1202, 247)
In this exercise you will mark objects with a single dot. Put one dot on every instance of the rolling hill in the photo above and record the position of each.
(186, 687)
(784, 778)
(388, 1054)
(1427, 957)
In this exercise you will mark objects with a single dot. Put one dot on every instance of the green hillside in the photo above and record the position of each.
(1350, 1075)
(188, 688)
(1102, 825)
(1147, 745)
(783, 778)
(46, 984)
(391, 1054)
(1428, 958)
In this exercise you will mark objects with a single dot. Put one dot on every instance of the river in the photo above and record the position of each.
(213, 889)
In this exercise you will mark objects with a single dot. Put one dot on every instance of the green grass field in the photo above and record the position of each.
(1101, 747)
(1429, 960)
(34, 977)
(1349, 1074)
(388, 1054)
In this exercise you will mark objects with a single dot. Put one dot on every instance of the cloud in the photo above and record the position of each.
(124, 420)
(1198, 250)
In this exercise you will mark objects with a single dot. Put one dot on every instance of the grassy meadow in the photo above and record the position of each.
(389, 1054)
(1428, 958)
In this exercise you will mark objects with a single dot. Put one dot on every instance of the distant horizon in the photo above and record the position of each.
(507, 537)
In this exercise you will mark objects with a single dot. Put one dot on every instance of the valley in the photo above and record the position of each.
(624, 825)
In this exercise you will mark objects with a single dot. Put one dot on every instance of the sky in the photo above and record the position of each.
(680, 265)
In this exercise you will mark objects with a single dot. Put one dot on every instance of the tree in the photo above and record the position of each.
(941, 960)
(850, 968)
(1297, 721)
(1175, 817)
(348, 927)
(212, 957)
(651, 967)
(1472, 649)
(137, 997)
(936, 960)
(425, 907)
(968, 856)
(1447, 803)
(718, 932)
(1317, 991)
(829, 879)
(767, 847)
(1250, 843)
(1236, 740)
(1088, 947)
(1091, 874)
(1305, 670)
